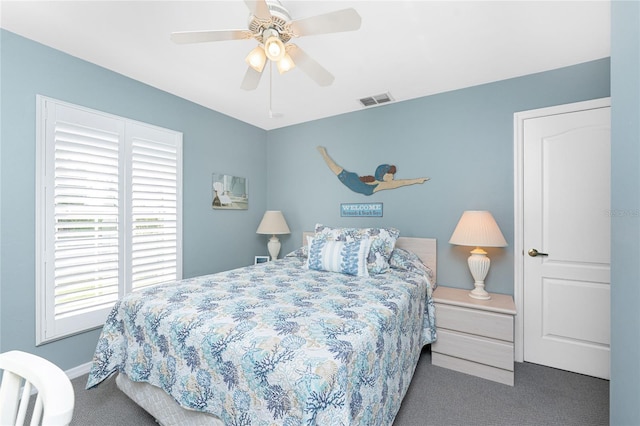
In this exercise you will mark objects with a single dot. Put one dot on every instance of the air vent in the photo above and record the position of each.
(376, 100)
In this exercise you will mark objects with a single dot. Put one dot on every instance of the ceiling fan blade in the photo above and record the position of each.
(258, 8)
(183, 37)
(309, 66)
(332, 22)
(251, 79)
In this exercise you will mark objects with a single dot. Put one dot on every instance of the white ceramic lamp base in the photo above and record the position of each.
(479, 266)
(274, 247)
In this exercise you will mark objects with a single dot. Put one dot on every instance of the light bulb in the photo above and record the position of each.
(274, 48)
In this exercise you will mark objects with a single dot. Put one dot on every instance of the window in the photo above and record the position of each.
(108, 214)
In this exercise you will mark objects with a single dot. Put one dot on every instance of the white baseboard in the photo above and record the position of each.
(79, 370)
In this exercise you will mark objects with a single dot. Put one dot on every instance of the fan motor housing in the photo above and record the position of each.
(279, 19)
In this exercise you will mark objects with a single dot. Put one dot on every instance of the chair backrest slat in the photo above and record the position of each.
(38, 409)
(55, 399)
(10, 386)
(24, 403)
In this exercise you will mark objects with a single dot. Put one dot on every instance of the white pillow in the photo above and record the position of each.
(339, 256)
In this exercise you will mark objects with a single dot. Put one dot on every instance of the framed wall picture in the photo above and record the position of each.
(261, 259)
(230, 192)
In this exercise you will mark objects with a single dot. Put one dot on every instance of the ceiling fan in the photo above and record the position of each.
(271, 25)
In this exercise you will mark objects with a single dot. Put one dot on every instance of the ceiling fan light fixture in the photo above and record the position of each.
(256, 59)
(286, 64)
(271, 26)
(274, 49)
(273, 46)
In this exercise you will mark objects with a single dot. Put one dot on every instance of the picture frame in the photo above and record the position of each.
(229, 192)
(260, 259)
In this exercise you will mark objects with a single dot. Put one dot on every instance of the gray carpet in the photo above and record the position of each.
(437, 396)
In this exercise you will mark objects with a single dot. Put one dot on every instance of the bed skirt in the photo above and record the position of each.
(161, 406)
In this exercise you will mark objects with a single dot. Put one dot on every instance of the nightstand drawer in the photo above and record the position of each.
(474, 348)
(481, 323)
(473, 368)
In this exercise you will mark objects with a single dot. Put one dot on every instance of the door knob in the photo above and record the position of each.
(533, 253)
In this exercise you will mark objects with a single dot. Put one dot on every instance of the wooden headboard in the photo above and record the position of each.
(425, 248)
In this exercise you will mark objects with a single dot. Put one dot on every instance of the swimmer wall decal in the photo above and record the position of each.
(383, 177)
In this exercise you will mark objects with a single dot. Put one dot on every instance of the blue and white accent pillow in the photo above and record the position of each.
(339, 256)
(383, 241)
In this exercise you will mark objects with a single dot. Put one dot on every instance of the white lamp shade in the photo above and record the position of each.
(477, 229)
(273, 46)
(274, 49)
(256, 59)
(273, 223)
(285, 64)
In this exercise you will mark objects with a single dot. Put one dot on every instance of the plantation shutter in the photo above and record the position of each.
(108, 208)
(154, 207)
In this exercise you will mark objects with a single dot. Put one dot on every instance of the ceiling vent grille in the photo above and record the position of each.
(376, 100)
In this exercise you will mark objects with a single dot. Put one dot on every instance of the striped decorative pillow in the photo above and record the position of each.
(383, 241)
(339, 256)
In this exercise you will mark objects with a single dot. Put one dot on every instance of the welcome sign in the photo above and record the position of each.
(361, 209)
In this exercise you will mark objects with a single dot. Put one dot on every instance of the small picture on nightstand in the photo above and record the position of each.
(261, 259)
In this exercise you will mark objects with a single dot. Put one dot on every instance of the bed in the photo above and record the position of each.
(278, 342)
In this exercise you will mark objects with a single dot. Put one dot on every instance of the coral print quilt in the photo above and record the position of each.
(276, 343)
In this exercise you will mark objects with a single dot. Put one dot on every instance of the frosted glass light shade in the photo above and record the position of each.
(256, 59)
(273, 46)
(285, 64)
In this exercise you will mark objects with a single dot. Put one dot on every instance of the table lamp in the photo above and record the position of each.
(478, 229)
(273, 223)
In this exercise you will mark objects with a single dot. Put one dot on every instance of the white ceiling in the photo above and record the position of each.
(407, 48)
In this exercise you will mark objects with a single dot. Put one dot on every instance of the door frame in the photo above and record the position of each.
(518, 199)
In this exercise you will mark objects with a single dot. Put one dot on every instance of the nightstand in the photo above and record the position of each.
(474, 336)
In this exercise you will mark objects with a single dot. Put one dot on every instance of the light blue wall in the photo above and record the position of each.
(462, 140)
(213, 240)
(625, 226)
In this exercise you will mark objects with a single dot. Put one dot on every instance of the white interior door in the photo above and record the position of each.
(566, 202)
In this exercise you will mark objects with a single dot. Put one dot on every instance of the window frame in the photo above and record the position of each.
(48, 328)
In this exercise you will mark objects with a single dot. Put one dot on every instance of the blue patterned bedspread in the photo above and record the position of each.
(276, 343)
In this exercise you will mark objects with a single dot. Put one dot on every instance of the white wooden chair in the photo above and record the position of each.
(55, 399)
